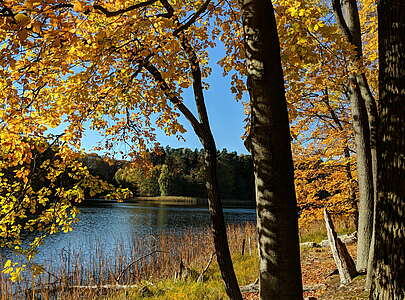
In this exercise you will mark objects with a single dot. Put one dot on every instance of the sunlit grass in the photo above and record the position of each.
(246, 268)
(315, 231)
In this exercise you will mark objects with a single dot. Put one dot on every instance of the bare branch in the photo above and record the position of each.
(135, 261)
(108, 13)
(201, 277)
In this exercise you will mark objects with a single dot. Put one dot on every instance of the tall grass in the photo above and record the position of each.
(145, 259)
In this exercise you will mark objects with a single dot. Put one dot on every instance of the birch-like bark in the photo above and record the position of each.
(364, 114)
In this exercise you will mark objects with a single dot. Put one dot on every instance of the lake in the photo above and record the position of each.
(108, 226)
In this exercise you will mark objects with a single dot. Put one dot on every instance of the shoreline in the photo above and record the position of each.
(177, 200)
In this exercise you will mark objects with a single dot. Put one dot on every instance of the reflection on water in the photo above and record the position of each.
(109, 225)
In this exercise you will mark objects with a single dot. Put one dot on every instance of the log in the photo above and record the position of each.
(254, 288)
(344, 262)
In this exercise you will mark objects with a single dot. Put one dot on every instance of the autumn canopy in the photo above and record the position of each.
(120, 68)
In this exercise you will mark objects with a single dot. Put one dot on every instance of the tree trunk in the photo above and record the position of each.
(389, 269)
(202, 129)
(217, 216)
(353, 22)
(280, 270)
(364, 124)
(364, 174)
(346, 152)
(214, 202)
(352, 191)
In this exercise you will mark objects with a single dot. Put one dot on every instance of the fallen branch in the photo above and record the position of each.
(134, 262)
(105, 286)
(254, 287)
(200, 278)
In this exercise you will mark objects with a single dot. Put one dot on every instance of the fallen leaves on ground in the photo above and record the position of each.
(318, 269)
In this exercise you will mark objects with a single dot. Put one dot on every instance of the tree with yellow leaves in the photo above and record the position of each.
(114, 63)
(117, 63)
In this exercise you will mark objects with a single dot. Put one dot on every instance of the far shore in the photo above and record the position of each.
(177, 200)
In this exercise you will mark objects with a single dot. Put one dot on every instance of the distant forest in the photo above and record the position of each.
(178, 172)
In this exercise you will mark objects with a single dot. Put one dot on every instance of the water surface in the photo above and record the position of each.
(107, 226)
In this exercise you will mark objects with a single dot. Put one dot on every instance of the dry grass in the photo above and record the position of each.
(153, 260)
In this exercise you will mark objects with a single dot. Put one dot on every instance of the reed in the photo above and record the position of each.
(151, 260)
(134, 260)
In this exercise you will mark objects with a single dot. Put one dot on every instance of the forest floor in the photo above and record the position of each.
(319, 271)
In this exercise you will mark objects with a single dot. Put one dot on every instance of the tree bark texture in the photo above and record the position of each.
(364, 125)
(351, 16)
(280, 270)
(389, 268)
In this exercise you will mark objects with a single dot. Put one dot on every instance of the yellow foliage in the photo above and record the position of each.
(84, 62)
(22, 19)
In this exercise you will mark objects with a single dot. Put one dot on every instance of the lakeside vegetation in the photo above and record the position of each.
(151, 268)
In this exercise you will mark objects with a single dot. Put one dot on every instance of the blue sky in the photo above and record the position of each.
(225, 114)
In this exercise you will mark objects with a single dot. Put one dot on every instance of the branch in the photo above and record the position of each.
(190, 22)
(168, 7)
(108, 13)
(124, 10)
(331, 110)
(6, 12)
(200, 278)
(135, 261)
(173, 98)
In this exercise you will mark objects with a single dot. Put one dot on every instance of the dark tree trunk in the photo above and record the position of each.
(202, 129)
(217, 216)
(389, 269)
(280, 270)
(214, 202)
(352, 191)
